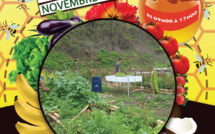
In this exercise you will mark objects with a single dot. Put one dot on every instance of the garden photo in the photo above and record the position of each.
(107, 77)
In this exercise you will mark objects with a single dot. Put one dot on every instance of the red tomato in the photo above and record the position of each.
(180, 80)
(153, 28)
(180, 99)
(171, 56)
(181, 90)
(180, 64)
(170, 44)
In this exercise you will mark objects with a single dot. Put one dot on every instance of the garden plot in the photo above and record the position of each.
(71, 107)
(93, 50)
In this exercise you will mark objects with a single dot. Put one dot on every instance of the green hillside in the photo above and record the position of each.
(99, 44)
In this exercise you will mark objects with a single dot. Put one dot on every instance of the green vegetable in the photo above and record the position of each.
(29, 54)
(71, 87)
(132, 74)
(155, 81)
(70, 93)
(118, 74)
(61, 15)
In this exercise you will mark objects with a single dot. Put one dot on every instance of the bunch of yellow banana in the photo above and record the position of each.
(30, 112)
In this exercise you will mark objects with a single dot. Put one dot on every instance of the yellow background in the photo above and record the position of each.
(27, 19)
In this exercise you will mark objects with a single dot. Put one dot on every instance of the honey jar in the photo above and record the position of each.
(179, 18)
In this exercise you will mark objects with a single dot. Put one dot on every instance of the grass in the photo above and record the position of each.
(130, 118)
(160, 103)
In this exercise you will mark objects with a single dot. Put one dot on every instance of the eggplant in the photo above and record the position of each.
(58, 36)
(76, 19)
(50, 27)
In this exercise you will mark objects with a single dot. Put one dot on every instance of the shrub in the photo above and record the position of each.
(155, 81)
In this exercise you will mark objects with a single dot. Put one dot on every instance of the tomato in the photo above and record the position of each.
(180, 80)
(153, 28)
(180, 99)
(180, 64)
(171, 56)
(170, 44)
(181, 90)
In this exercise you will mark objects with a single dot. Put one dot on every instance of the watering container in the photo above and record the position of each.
(97, 84)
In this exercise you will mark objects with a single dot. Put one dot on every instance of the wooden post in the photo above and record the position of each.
(54, 118)
(142, 104)
(81, 112)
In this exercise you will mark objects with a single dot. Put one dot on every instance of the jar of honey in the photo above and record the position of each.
(179, 18)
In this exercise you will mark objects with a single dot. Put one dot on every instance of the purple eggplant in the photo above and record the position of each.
(58, 36)
(76, 19)
(50, 27)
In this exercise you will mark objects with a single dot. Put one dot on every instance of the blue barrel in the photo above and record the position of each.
(97, 84)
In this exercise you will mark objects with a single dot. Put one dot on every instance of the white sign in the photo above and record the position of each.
(50, 6)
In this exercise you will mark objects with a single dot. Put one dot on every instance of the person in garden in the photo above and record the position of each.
(42, 84)
(118, 69)
(118, 66)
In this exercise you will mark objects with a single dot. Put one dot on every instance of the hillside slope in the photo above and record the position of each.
(99, 44)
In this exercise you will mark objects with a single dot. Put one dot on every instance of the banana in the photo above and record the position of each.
(26, 91)
(29, 113)
(24, 128)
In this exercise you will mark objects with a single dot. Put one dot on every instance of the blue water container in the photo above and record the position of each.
(97, 84)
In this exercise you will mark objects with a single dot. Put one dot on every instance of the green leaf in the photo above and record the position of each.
(28, 75)
(34, 30)
(184, 104)
(12, 76)
(70, 14)
(19, 65)
(35, 73)
(35, 35)
(36, 62)
(52, 17)
(61, 15)
(188, 46)
(178, 52)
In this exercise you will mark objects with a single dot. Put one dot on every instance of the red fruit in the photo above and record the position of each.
(170, 44)
(153, 28)
(180, 99)
(180, 80)
(180, 64)
(181, 90)
(171, 56)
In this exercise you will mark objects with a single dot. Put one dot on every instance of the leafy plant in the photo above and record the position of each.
(155, 81)
(69, 88)
(61, 15)
(119, 74)
(70, 93)
(129, 73)
(29, 54)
